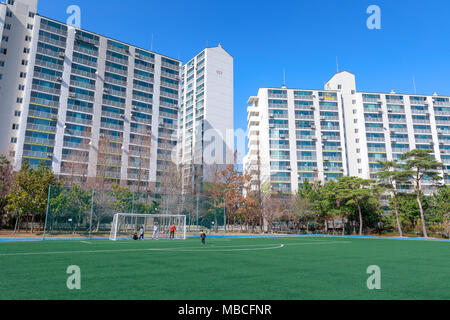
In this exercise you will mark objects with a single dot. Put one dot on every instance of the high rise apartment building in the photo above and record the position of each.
(91, 107)
(318, 135)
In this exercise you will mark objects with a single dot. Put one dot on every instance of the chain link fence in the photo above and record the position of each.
(76, 212)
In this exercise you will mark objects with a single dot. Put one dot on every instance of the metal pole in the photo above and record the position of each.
(46, 213)
(224, 216)
(92, 213)
(132, 204)
(197, 213)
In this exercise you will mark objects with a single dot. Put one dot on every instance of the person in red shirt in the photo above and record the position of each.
(173, 229)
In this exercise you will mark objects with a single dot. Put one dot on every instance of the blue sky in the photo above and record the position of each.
(304, 37)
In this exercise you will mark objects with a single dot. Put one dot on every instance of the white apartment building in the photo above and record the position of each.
(91, 107)
(318, 135)
(206, 117)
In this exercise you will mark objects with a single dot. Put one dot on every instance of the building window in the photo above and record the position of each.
(353, 91)
(3, 50)
(353, 101)
(19, 100)
(12, 154)
(359, 171)
(26, 50)
(5, 38)
(21, 87)
(358, 150)
(339, 87)
(15, 126)
(17, 113)
(355, 111)
(23, 74)
(11, 2)
(7, 26)
(355, 120)
(357, 140)
(31, 14)
(27, 38)
(24, 62)
(359, 160)
(30, 27)
(2, 63)
(9, 14)
(13, 140)
(356, 130)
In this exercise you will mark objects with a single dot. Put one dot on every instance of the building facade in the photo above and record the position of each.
(206, 117)
(90, 107)
(318, 135)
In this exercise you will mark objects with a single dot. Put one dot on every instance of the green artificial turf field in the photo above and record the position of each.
(230, 268)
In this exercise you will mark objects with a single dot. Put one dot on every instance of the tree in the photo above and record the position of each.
(6, 182)
(355, 191)
(390, 177)
(420, 165)
(441, 207)
(29, 194)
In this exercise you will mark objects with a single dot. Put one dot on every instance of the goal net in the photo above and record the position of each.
(126, 224)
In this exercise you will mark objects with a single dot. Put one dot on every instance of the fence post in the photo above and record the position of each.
(92, 213)
(197, 212)
(132, 204)
(224, 216)
(46, 213)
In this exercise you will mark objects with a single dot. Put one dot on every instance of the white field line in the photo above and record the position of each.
(189, 249)
(86, 242)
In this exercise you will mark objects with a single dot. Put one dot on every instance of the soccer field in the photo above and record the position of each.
(229, 268)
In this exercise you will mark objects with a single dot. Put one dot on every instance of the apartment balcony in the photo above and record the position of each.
(397, 120)
(373, 119)
(80, 96)
(170, 85)
(372, 100)
(331, 128)
(116, 60)
(372, 110)
(80, 146)
(427, 141)
(144, 78)
(441, 121)
(116, 71)
(82, 121)
(442, 103)
(42, 114)
(308, 148)
(422, 130)
(305, 137)
(60, 32)
(170, 75)
(400, 150)
(52, 41)
(44, 76)
(394, 101)
(280, 179)
(84, 73)
(115, 81)
(74, 107)
(112, 126)
(37, 154)
(86, 62)
(374, 129)
(45, 142)
(303, 97)
(44, 102)
(374, 149)
(307, 168)
(418, 111)
(37, 127)
(421, 121)
(170, 65)
(86, 51)
(394, 140)
(83, 85)
(46, 64)
(114, 103)
(280, 146)
(302, 117)
(374, 139)
(331, 158)
(277, 96)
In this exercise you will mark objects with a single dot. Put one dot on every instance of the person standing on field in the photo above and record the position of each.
(155, 231)
(173, 229)
(141, 233)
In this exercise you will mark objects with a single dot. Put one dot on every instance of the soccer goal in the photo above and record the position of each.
(126, 224)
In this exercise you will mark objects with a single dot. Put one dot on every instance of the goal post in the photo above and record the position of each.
(124, 225)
